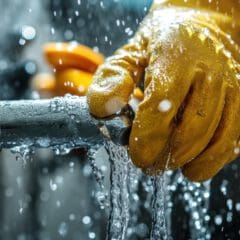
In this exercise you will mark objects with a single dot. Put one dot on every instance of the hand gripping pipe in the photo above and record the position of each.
(58, 121)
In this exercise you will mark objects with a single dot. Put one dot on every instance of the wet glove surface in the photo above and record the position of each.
(190, 116)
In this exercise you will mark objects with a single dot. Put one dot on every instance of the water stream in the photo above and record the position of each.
(159, 230)
(124, 198)
(119, 192)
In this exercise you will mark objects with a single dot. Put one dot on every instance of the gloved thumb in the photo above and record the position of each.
(115, 80)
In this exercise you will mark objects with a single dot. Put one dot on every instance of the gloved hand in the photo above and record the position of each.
(190, 116)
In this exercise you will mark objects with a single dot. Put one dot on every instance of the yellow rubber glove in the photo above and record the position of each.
(190, 116)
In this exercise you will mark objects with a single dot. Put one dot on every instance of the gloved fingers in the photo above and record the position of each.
(110, 89)
(222, 147)
(167, 83)
(115, 80)
(154, 119)
(199, 118)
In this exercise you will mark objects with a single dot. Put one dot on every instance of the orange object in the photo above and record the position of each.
(72, 55)
(137, 93)
(72, 81)
(44, 82)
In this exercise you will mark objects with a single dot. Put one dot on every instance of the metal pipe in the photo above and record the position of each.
(54, 122)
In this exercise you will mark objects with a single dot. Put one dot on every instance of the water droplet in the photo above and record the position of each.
(237, 150)
(22, 41)
(218, 220)
(102, 5)
(52, 30)
(58, 203)
(86, 220)
(53, 185)
(129, 31)
(63, 229)
(165, 105)
(230, 204)
(91, 235)
(72, 217)
(30, 67)
(237, 206)
(21, 210)
(28, 32)
(223, 187)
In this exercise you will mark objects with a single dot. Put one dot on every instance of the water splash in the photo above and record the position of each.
(23, 153)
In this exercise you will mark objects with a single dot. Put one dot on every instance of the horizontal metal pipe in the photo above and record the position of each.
(53, 122)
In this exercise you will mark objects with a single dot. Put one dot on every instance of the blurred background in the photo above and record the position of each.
(47, 195)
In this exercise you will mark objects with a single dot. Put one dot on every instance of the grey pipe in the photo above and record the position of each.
(54, 122)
